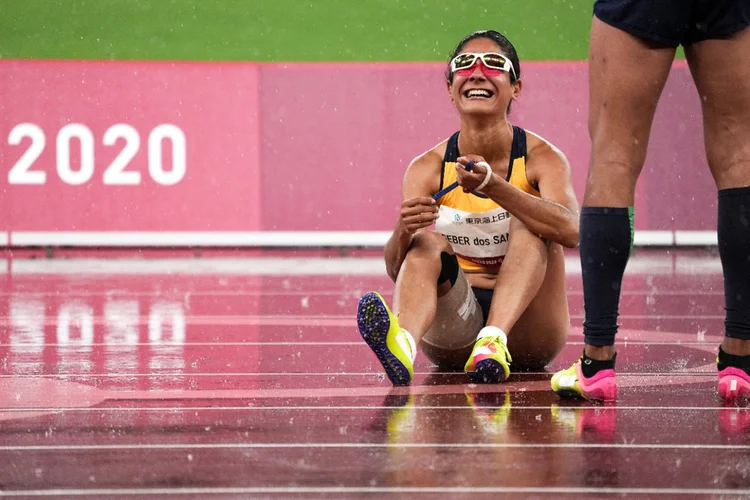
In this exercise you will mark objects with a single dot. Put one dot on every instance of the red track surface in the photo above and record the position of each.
(250, 382)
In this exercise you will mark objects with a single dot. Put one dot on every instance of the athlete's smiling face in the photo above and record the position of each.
(480, 90)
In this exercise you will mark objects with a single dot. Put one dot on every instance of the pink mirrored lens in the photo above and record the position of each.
(485, 70)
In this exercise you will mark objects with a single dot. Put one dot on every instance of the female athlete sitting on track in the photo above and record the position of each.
(490, 281)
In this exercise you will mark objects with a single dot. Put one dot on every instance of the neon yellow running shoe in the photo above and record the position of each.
(394, 346)
(571, 383)
(489, 362)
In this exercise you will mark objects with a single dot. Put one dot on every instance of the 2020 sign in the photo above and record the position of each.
(117, 172)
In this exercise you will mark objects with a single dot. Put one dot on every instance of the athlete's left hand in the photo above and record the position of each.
(470, 180)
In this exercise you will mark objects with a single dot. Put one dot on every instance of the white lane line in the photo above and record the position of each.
(312, 266)
(188, 344)
(345, 293)
(300, 343)
(64, 376)
(178, 409)
(249, 266)
(330, 490)
(275, 446)
(346, 320)
(169, 239)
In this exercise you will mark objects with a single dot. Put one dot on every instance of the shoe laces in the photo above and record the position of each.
(499, 345)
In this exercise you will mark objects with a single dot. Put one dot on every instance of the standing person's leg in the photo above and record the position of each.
(626, 78)
(721, 70)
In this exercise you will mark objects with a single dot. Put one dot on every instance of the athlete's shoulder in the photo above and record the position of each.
(423, 174)
(538, 146)
(433, 157)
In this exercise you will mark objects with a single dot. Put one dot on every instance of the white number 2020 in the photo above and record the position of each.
(115, 173)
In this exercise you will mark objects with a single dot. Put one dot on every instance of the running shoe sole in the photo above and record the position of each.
(570, 393)
(487, 371)
(374, 322)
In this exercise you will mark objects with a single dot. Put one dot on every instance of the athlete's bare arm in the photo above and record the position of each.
(554, 216)
(418, 210)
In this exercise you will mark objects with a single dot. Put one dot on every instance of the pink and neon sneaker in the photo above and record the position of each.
(734, 384)
(571, 383)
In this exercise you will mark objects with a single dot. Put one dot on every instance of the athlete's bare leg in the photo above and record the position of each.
(626, 78)
(416, 292)
(530, 301)
(721, 70)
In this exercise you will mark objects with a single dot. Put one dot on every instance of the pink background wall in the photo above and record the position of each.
(300, 146)
(215, 106)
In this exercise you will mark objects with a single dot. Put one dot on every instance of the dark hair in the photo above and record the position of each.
(505, 46)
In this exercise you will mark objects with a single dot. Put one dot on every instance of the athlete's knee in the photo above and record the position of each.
(429, 239)
(618, 160)
(612, 180)
(429, 244)
(730, 168)
(425, 254)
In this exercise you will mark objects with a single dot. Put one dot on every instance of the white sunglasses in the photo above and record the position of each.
(463, 63)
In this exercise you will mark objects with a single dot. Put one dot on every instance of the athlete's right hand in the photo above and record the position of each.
(418, 213)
